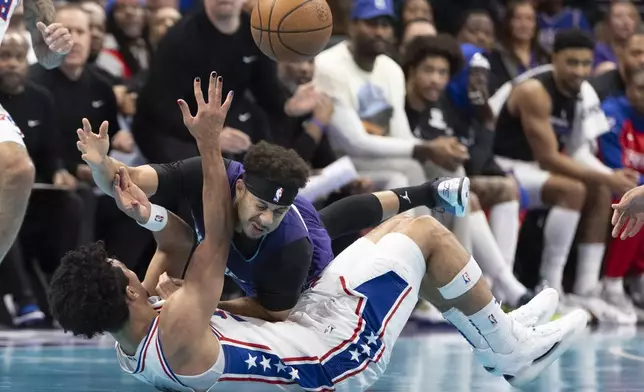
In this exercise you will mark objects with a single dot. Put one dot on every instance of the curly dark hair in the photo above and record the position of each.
(277, 164)
(87, 293)
(442, 45)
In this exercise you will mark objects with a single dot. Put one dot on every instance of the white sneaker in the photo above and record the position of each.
(536, 312)
(537, 348)
(451, 195)
(602, 311)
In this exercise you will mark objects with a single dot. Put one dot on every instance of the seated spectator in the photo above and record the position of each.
(621, 22)
(125, 51)
(476, 28)
(369, 122)
(217, 39)
(415, 28)
(553, 17)
(612, 83)
(518, 48)
(79, 92)
(428, 65)
(548, 151)
(159, 21)
(307, 135)
(97, 28)
(51, 224)
(623, 149)
(415, 10)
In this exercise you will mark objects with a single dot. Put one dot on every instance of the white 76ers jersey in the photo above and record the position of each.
(6, 11)
(337, 338)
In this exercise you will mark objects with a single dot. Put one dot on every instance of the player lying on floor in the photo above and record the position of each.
(340, 334)
(281, 244)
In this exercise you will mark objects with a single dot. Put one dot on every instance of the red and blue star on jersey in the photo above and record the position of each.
(379, 299)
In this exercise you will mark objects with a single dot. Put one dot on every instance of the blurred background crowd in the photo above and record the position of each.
(360, 124)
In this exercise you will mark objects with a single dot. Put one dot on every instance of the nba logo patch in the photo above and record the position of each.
(158, 218)
(492, 319)
(278, 195)
(466, 278)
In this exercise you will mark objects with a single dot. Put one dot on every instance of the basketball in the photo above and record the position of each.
(291, 30)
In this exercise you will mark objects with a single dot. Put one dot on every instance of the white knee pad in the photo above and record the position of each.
(463, 281)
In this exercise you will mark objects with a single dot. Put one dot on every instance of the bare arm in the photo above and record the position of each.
(16, 180)
(187, 313)
(533, 104)
(144, 176)
(250, 307)
(174, 244)
(42, 11)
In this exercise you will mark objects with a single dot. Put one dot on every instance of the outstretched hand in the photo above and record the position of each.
(93, 146)
(208, 123)
(130, 198)
(628, 214)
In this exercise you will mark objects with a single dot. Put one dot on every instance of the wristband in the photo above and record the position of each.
(318, 124)
(158, 218)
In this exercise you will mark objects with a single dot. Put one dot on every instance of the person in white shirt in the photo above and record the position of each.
(369, 121)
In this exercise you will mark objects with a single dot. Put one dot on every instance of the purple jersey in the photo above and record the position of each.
(300, 221)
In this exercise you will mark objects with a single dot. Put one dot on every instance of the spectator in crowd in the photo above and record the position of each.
(307, 136)
(79, 92)
(518, 48)
(448, 14)
(415, 28)
(159, 22)
(477, 29)
(215, 37)
(125, 51)
(535, 125)
(369, 122)
(97, 28)
(428, 65)
(154, 5)
(623, 147)
(621, 22)
(612, 83)
(415, 10)
(554, 17)
(53, 216)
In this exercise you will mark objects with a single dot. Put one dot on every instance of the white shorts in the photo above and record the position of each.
(9, 131)
(529, 176)
(361, 304)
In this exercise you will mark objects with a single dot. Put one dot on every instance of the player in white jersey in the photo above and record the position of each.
(340, 334)
(51, 41)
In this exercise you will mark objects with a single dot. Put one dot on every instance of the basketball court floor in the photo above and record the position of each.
(424, 360)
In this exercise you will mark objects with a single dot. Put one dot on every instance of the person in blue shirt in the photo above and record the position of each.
(623, 149)
(554, 17)
(281, 243)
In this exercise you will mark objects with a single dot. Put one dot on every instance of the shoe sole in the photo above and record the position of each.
(540, 364)
(463, 195)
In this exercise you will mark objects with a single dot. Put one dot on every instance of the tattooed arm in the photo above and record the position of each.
(51, 41)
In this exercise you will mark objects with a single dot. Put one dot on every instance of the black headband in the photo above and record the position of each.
(269, 191)
(572, 39)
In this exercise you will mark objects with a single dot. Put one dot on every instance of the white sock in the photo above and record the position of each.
(496, 327)
(466, 328)
(487, 253)
(589, 265)
(614, 285)
(504, 222)
(558, 234)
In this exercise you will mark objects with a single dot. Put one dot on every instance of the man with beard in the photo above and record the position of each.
(533, 128)
(368, 88)
(612, 83)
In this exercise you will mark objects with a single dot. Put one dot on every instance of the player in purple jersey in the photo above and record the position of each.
(281, 244)
(187, 348)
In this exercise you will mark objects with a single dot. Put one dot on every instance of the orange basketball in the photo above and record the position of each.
(291, 30)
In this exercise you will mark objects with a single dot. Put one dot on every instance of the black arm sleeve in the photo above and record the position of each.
(280, 278)
(351, 214)
(178, 180)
